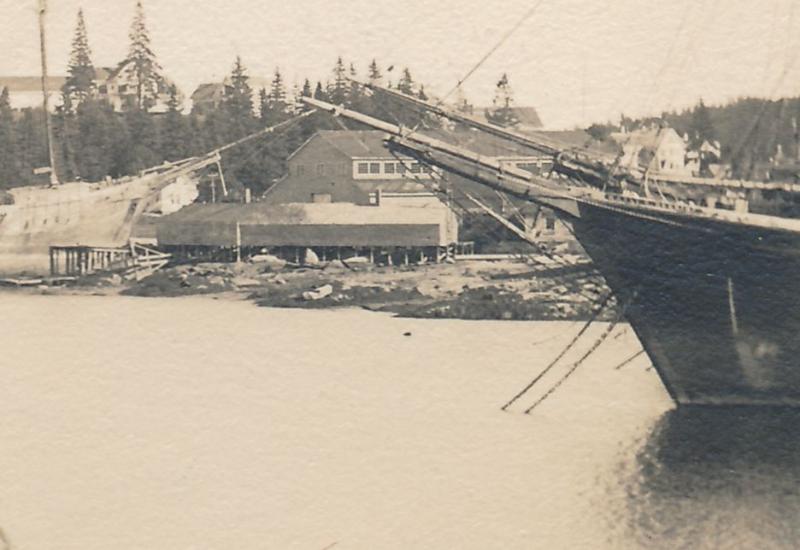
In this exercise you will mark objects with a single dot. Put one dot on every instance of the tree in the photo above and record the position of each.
(374, 73)
(338, 89)
(306, 92)
(700, 126)
(319, 92)
(421, 94)
(175, 144)
(502, 111)
(144, 67)
(239, 100)
(406, 83)
(9, 172)
(81, 74)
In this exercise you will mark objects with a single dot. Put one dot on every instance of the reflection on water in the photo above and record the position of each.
(717, 478)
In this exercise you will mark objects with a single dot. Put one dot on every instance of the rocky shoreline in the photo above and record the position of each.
(511, 288)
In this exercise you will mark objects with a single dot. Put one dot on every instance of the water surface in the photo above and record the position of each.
(194, 423)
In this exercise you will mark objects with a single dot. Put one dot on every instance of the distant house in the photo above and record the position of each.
(705, 160)
(25, 92)
(658, 150)
(207, 97)
(117, 86)
(353, 167)
(210, 95)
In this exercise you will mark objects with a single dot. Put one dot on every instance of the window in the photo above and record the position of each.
(299, 170)
(388, 168)
(426, 169)
(401, 168)
(374, 167)
(363, 168)
(550, 223)
(320, 169)
(103, 89)
(123, 88)
(415, 168)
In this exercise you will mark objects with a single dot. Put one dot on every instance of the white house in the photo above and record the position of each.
(655, 149)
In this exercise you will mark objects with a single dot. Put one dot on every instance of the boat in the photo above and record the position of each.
(710, 291)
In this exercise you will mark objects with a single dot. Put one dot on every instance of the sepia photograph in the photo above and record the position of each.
(399, 275)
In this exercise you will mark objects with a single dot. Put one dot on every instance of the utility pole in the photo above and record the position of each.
(45, 93)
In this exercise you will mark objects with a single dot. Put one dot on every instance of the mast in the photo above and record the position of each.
(45, 97)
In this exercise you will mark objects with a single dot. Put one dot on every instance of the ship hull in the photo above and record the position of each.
(71, 214)
(715, 305)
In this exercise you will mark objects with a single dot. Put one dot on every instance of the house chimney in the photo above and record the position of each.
(247, 196)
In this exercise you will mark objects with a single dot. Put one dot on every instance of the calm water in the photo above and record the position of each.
(192, 423)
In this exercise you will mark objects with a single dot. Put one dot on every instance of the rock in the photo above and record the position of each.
(356, 260)
(335, 265)
(279, 280)
(269, 260)
(216, 280)
(113, 279)
(310, 257)
(245, 281)
(318, 293)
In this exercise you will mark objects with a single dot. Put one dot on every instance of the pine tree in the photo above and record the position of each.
(175, 145)
(146, 71)
(306, 92)
(338, 89)
(319, 92)
(374, 73)
(406, 83)
(81, 74)
(263, 104)
(239, 95)
(421, 94)
(502, 112)
(9, 173)
(700, 126)
(277, 108)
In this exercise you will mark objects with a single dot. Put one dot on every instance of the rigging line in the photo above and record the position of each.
(502, 41)
(585, 356)
(563, 352)
(629, 360)
(673, 44)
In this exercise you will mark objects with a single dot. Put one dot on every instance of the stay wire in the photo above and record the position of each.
(598, 310)
(585, 356)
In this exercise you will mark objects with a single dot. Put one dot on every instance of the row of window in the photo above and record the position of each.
(392, 168)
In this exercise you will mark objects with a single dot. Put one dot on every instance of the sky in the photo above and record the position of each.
(576, 61)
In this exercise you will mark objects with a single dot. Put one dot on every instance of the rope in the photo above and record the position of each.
(629, 359)
(568, 347)
(502, 41)
(585, 356)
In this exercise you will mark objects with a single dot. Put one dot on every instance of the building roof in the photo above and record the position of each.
(356, 143)
(31, 83)
(646, 138)
(206, 91)
(310, 224)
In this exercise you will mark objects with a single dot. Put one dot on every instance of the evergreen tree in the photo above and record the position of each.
(277, 108)
(374, 73)
(263, 105)
(239, 97)
(406, 83)
(421, 94)
(700, 126)
(502, 112)
(462, 104)
(339, 88)
(32, 152)
(94, 154)
(81, 74)
(175, 145)
(306, 92)
(144, 67)
(9, 173)
(319, 92)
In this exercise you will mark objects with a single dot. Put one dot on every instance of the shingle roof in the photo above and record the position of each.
(356, 143)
